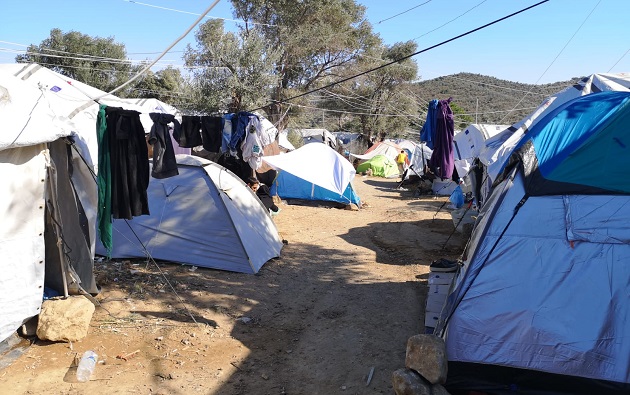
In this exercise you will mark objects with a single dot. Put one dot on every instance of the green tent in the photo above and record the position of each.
(381, 166)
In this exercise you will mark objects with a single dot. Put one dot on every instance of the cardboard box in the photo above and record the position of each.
(431, 319)
(435, 303)
(441, 278)
(441, 289)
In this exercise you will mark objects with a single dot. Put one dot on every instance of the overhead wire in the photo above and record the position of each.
(452, 20)
(622, 56)
(408, 56)
(556, 57)
(165, 51)
(404, 12)
(192, 13)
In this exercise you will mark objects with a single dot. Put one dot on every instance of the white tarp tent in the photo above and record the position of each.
(419, 157)
(470, 142)
(47, 196)
(205, 216)
(316, 136)
(283, 141)
(75, 100)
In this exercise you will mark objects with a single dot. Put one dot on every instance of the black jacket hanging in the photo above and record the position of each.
(164, 162)
(211, 131)
(190, 135)
(129, 157)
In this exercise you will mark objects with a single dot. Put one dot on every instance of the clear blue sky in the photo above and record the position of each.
(570, 38)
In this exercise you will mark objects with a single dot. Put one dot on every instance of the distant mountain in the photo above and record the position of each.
(486, 99)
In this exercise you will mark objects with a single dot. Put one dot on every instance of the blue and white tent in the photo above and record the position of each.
(313, 172)
(543, 295)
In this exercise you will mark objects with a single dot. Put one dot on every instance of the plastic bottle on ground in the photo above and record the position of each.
(86, 366)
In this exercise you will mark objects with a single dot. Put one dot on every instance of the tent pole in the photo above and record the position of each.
(53, 198)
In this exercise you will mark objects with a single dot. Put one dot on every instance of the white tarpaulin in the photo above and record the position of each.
(36, 184)
(469, 143)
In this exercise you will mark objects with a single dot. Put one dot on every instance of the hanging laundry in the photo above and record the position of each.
(211, 132)
(129, 159)
(104, 182)
(252, 147)
(226, 134)
(442, 159)
(164, 163)
(267, 133)
(239, 131)
(176, 147)
(427, 134)
(190, 135)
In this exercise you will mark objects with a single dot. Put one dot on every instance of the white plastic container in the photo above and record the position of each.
(86, 366)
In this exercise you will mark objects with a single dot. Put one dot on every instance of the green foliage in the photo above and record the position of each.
(167, 85)
(461, 120)
(381, 97)
(295, 138)
(230, 71)
(318, 40)
(99, 62)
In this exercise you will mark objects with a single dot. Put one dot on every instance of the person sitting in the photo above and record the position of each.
(264, 194)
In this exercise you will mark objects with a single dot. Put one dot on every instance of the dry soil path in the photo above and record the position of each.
(346, 294)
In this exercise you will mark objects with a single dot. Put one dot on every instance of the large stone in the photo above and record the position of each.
(426, 354)
(408, 382)
(65, 319)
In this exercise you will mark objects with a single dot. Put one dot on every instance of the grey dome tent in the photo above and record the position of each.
(205, 216)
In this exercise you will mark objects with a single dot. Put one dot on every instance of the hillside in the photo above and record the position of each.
(487, 99)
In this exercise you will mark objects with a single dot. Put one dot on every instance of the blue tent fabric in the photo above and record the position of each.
(580, 147)
(288, 186)
(427, 132)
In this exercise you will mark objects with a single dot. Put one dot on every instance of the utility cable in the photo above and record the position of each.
(556, 58)
(192, 13)
(622, 56)
(404, 12)
(452, 20)
(141, 72)
(406, 57)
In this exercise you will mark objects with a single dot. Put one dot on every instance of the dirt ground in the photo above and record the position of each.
(341, 302)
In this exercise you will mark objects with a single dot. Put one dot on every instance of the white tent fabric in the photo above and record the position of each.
(28, 118)
(387, 148)
(317, 136)
(533, 284)
(205, 216)
(317, 164)
(406, 144)
(419, 157)
(32, 120)
(469, 143)
(152, 105)
(499, 148)
(74, 101)
(284, 142)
